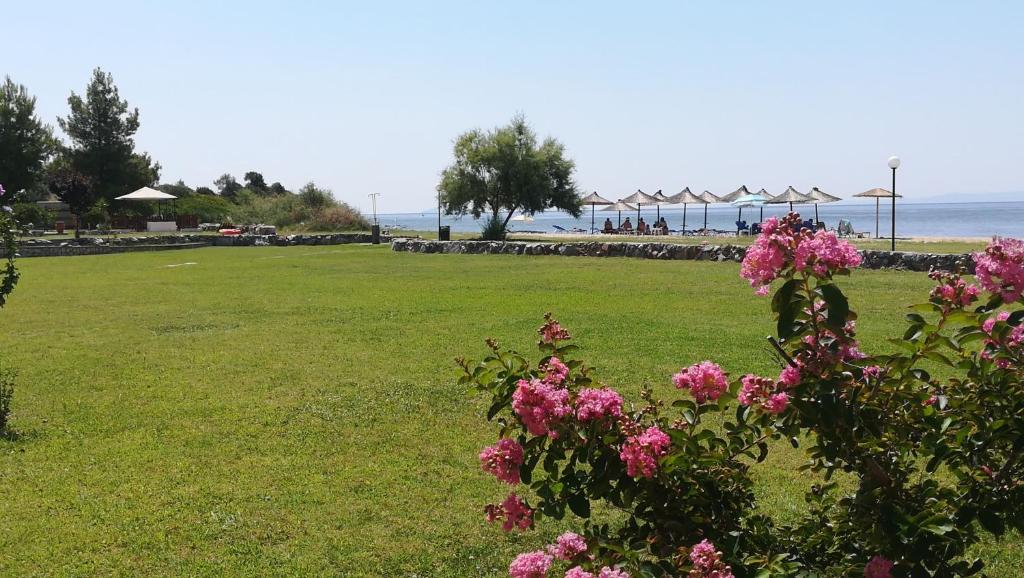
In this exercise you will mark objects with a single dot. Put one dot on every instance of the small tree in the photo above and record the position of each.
(254, 182)
(74, 189)
(506, 170)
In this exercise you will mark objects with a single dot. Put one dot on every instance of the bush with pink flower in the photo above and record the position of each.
(678, 475)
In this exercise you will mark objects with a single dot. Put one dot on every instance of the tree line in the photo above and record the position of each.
(99, 162)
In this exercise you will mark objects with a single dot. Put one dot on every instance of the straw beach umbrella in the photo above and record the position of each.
(767, 197)
(791, 196)
(877, 194)
(742, 191)
(685, 197)
(640, 198)
(820, 196)
(661, 200)
(619, 206)
(594, 199)
(708, 197)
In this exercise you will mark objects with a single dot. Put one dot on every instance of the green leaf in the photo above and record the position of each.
(580, 505)
(838, 305)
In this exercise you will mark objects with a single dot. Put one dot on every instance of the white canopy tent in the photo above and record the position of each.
(149, 195)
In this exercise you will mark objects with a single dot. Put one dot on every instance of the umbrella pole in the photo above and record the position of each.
(815, 215)
(761, 218)
(705, 217)
(620, 219)
(876, 217)
(684, 217)
(592, 218)
(658, 217)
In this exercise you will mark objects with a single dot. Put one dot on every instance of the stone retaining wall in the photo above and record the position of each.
(872, 259)
(103, 245)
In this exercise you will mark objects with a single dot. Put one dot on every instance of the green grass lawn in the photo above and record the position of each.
(293, 411)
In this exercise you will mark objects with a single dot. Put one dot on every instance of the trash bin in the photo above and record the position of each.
(444, 233)
(59, 225)
(375, 235)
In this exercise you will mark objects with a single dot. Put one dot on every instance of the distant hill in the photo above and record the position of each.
(1004, 197)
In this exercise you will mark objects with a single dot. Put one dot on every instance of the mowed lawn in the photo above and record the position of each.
(294, 411)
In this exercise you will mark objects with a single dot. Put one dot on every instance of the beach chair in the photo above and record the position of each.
(845, 229)
(755, 229)
(741, 228)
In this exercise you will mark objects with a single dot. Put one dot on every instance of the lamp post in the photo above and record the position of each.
(894, 163)
(375, 231)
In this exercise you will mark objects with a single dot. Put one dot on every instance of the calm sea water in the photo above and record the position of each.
(912, 219)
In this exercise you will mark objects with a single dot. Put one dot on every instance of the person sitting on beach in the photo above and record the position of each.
(663, 225)
(627, 226)
(608, 227)
(641, 226)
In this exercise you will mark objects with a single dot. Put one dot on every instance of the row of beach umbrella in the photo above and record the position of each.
(740, 198)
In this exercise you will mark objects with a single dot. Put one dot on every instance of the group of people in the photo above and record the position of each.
(642, 228)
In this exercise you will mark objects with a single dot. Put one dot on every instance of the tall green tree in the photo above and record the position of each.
(102, 129)
(227, 186)
(74, 189)
(254, 182)
(505, 170)
(26, 143)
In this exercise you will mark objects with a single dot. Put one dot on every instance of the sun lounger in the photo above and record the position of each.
(845, 229)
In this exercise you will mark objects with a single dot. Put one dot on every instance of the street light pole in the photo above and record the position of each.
(375, 231)
(894, 163)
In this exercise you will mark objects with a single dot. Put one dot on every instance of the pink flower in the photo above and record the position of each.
(568, 546)
(551, 331)
(991, 321)
(640, 453)
(704, 555)
(878, 567)
(932, 400)
(503, 460)
(790, 376)
(705, 380)
(873, 371)
(556, 371)
(1000, 268)
(824, 254)
(952, 291)
(540, 406)
(607, 572)
(513, 511)
(595, 404)
(707, 562)
(530, 565)
(577, 572)
(776, 403)
(767, 257)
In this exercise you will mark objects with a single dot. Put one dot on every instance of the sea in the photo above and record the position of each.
(912, 219)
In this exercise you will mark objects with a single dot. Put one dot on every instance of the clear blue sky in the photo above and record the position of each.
(367, 97)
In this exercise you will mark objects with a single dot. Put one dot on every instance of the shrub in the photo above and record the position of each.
(493, 229)
(683, 481)
(210, 209)
(25, 213)
(340, 218)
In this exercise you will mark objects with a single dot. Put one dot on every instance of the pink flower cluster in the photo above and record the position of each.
(707, 562)
(764, 392)
(595, 404)
(555, 371)
(530, 565)
(513, 511)
(824, 254)
(782, 244)
(606, 572)
(503, 460)
(640, 453)
(705, 380)
(541, 406)
(878, 567)
(568, 546)
(1004, 349)
(790, 376)
(551, 331)
(1000, 268)
(952, 291)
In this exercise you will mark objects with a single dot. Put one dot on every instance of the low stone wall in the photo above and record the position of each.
(68, 250)
(104, 245)
(872, 259)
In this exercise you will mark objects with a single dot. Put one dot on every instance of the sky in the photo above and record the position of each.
(367, 97)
